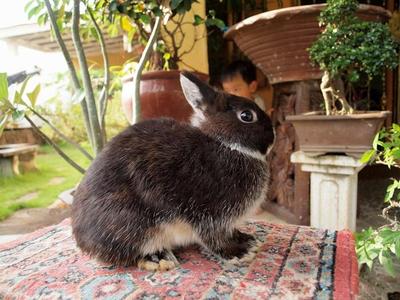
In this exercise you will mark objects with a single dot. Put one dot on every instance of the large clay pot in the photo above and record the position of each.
(277, 41)
(160, 96)
(350, 134)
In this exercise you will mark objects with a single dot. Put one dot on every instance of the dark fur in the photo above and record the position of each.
(160, 171)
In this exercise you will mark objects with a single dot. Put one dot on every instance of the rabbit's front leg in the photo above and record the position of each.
(228, 245)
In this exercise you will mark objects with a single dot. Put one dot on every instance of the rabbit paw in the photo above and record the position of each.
(247, 240)
(147, 265)
(243, 238)
(161, 261)
(251, 252)
(252, 246)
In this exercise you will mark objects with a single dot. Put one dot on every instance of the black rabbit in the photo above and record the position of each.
(161, 184)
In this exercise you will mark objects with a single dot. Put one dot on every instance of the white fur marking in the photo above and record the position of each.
(246, 151)
(169, 236)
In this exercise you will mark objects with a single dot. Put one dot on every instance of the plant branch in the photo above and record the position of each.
(90, 101)
(393, 223)
(142, 32)
(56, 147)
(382, 162)
(193, 45)
(172, 37)
(178, 23)
(104, 93)
(139, 69)
(71, 68)
(67, 139)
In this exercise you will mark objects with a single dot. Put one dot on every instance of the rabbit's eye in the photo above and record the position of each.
(247, 116)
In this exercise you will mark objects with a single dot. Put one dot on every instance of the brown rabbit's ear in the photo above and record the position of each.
(198, 93)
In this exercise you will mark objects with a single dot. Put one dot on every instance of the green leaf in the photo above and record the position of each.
(28, 5)
(93, 33)
(386, 262)
(113, 30)
(60, 24)
(397, 248)
(396, 153)
(396, 127)
(3, 86)
(187, 4)
(215, 22)
(42, 19)
(34, 11)
(113, 7)
(157, 12)
(145, 19)
(197, 20)
(61, 11)
(17, 98)
(367, 156)
(175, 4)
(375, 142)
(389, 236)
(18, 115)
(369, 264)
(33, 95)
(390, 192)
(5, 103)
(365, 234)
(23, 86)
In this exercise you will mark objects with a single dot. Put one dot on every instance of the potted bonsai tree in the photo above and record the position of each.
(276, 40)
(347, 51)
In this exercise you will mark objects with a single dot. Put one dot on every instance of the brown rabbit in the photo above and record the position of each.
(161, 184)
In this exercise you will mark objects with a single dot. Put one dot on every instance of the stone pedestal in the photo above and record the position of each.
(333, 192)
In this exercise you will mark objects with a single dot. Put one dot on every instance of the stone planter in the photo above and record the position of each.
(351, 134)
(160, 96)
(277, 41)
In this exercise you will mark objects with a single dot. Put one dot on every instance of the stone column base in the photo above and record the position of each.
(333, 193)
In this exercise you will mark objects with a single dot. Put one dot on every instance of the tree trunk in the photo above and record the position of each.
(332, 89)
(90, 100)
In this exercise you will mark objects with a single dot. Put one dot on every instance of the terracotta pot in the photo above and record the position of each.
(350, 134)
(160, 96)
(276, 41)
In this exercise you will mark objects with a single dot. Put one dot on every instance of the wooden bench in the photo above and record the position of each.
(16, 156)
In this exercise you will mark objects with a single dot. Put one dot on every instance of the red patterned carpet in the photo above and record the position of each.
(293, 263)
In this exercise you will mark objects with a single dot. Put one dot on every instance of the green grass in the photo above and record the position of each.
(50, 165)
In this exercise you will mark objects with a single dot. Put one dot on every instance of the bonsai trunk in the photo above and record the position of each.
(332, 89)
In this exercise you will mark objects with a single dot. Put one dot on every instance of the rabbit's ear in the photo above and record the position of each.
(198, 93)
